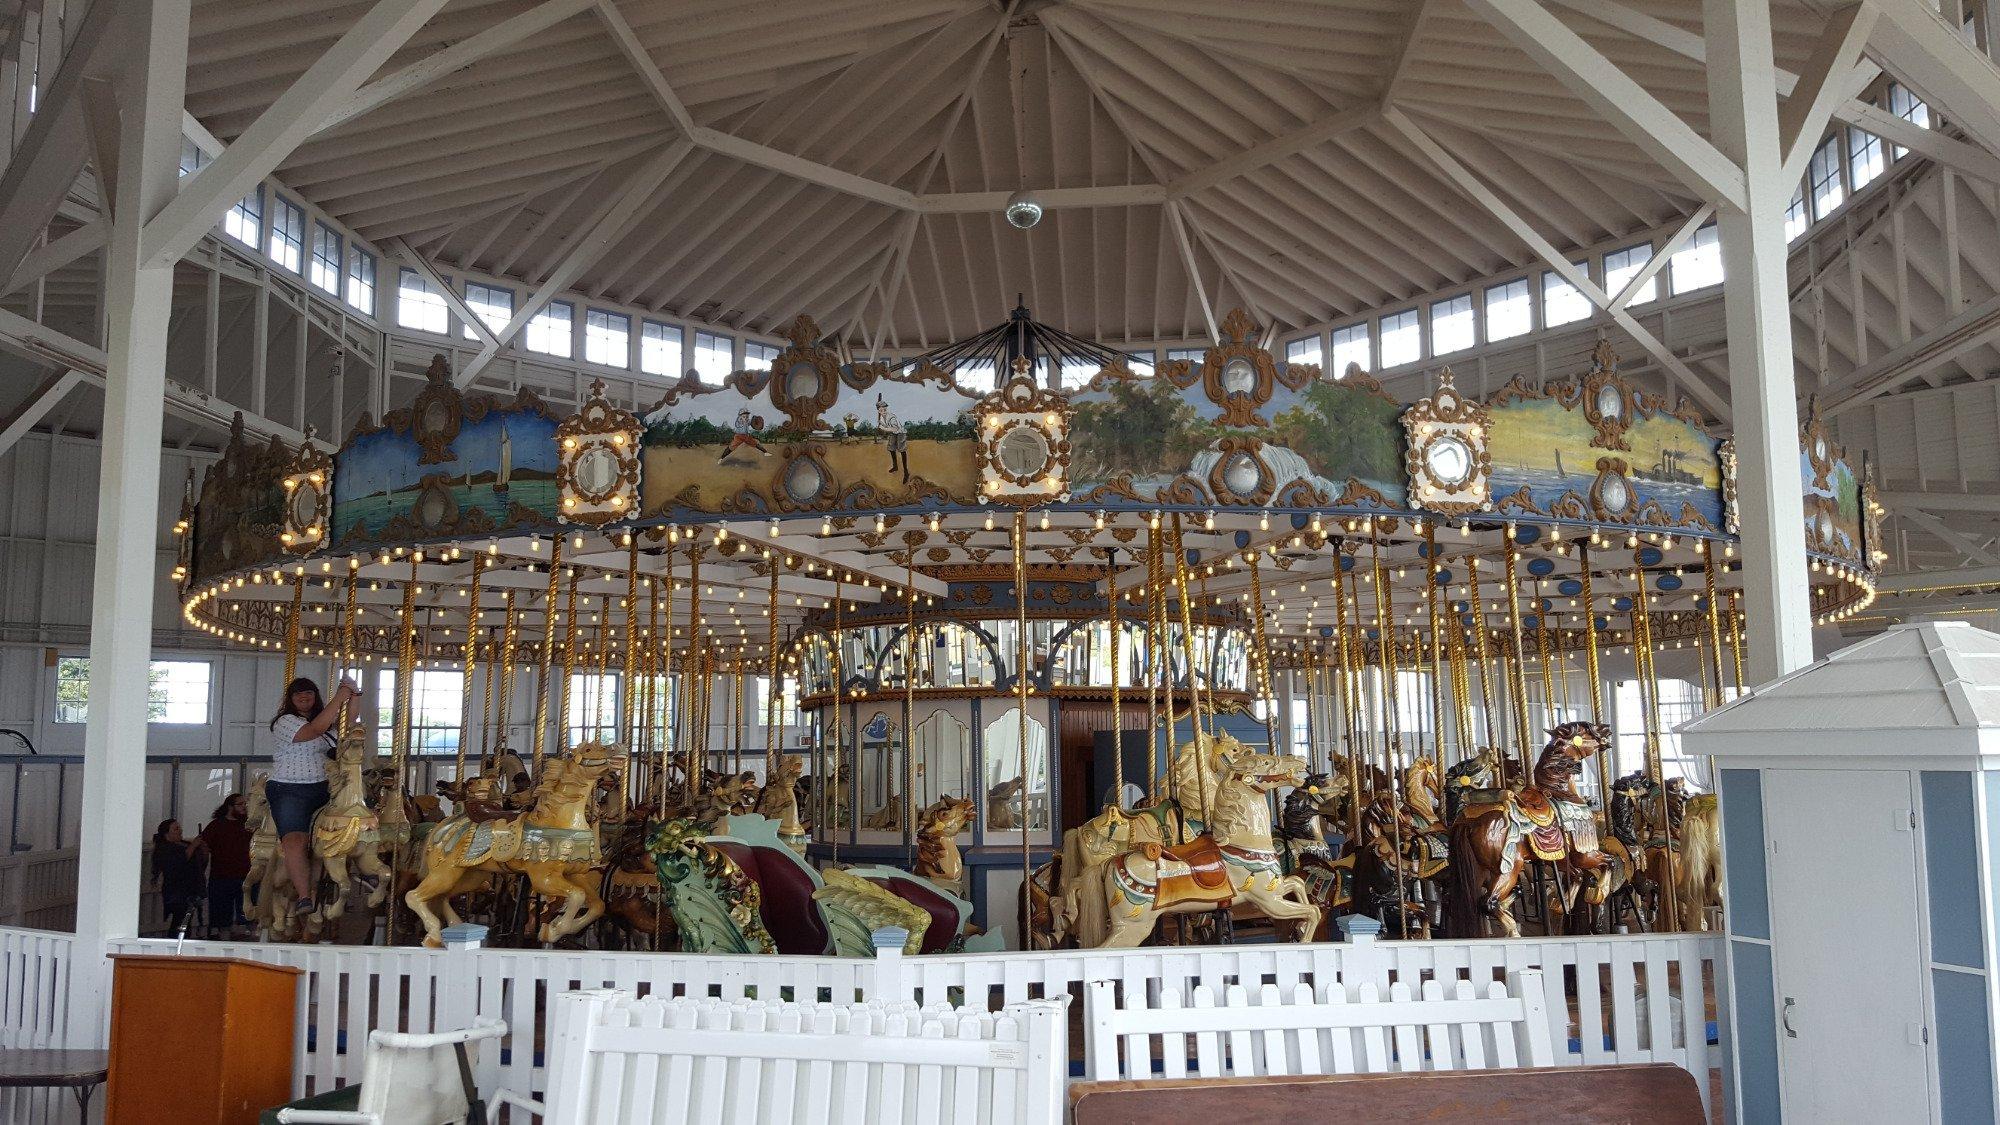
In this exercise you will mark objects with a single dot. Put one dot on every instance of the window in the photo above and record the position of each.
(1350, 349)
(759, 357)
(1140, 364)
(1621, 266)
(1679, 702)
(1452, 326)
(1905, 105)
(1402, 341)
(1563, 303)
(607, 338)
(1864, 157)
(192, 158)
(493, 306)
(326, 258)
(361, 279)
(1823, 179)
(1194, 356)
(1796, 219)
(1304, 350)
(177, 691)
(245, 221)
(551, 332)
(714, 356)
(592, 714)
(288, 235)
(660, 349)
(1077, 373)
(420, 306)
(1699, 263)
(1509, 312)
(437, 703)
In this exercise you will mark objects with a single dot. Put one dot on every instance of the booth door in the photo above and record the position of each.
(1845, 945)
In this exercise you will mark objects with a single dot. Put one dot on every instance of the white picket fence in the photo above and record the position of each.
(1622, 999)
(38, 891)
(34, 1013)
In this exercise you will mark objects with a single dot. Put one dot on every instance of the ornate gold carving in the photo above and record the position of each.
(1234, 454)
(805, 378)
(1608, 401)
(1448, 462)
(308, 484)
(1238, 376)
(1023, 434)
(597, 461)
(1612, 497)
(1726, 455)
(1818, 445)
(436, 414)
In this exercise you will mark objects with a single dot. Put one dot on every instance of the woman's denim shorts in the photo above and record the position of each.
(294, 803)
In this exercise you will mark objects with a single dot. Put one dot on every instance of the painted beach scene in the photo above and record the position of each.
(501, 473)
(890, 439)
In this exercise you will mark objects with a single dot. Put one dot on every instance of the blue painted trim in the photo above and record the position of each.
(1964, 1045)
(1755, 1030)
(1745, 886)
(1951, 864)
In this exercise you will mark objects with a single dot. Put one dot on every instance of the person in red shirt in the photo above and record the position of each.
(228, 840)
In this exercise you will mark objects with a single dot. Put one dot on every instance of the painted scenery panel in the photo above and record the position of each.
(891, 442)
(500, 473)
(1833, 510)
(1145, 439)
(1542, 453)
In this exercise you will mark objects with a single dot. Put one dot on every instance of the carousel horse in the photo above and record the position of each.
(268, 893)
(938, 826)
(1476, 778)
(1492, 842)
(634, 906)
(888, 818)
(554, 843)
(1003, 805)
(722, 796)
(1633, 826)
(1387, 881)
(779, 799)
(1302, 820)
(1423, 799)
(1235, 858)
(1700, 865)
(348, 828)
(1078, 908)
(1048, 926)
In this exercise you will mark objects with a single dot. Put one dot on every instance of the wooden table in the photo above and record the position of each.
(81, 1071)
(1653, 1093)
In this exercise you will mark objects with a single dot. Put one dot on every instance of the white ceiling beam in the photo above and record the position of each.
(37, 406)
(453, 59)
(1942, 501)
(1277, 148)
(798, 167)
(1662, 254)
(1463, 179)
(1925, 141)
(610, 226)
(1193, 268)
(1830, 79)
(445, 289)
(1404, 54)
(1619, 100)
(84, 240)
(1932, 57)
(1952, 538)
(327, 83)
(1051, 199)
(1969, 330)
(48, 157)
(642, 61)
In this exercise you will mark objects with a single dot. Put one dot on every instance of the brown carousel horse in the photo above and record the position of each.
(1493, 842)
(938, 826)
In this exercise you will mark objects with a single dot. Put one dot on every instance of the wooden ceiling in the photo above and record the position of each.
(501, 166)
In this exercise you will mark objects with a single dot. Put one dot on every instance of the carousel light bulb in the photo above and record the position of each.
(1045, 521)
(1263, 521)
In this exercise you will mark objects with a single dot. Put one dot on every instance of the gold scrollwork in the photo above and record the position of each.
(1023, 434)
(1448, 462)
(308, 484)
(1238, 376)
(805, 378)
(597, 461)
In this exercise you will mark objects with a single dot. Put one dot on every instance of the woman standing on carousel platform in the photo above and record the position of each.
(301, 743)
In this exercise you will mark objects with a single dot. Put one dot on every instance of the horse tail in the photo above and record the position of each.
(1467, 889)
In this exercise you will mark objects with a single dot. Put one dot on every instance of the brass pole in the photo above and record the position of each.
(1182, 582)
(1736, 636)
(471, 664)
(631, 708)
(1714, 621)
(548, 654)
(1437, 641)
(910, 706)
(664, 637)
(690, 677)
(1517, 678)
(506, 674)
(1642, 649)
(1262, 655)
(1592, 670)
(1385, 623)
(1153, 651)
(1348, 698)
(840, 779)
(1478, 604)
(1021, 703)
(399, 754)
(348, 644)
(292, 628)
(1117, 669)
(771, 677)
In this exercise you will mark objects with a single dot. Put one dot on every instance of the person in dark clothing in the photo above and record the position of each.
(178, 865)
(227, 838)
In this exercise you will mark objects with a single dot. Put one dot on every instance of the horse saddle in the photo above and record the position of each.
(1191, 872)
(1535, 806)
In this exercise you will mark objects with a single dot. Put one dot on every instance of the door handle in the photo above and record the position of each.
(1786, 1018)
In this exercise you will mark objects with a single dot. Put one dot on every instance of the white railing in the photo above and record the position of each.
(34, 1012)
(38, 891)
(1622, 999)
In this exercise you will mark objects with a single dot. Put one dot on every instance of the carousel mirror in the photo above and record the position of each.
(1449, 459)
(1024, 451)
(1239, 376)
(802, 381)
(1015, 796)
(596, 471)
(1610, 401)
(882, 776)
(1242, 475)
(305, 505)
(1614, 493)
(804, 480)
(944, 758)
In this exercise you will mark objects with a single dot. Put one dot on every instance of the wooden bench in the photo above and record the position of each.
(1463, 1026)
(616, 1058)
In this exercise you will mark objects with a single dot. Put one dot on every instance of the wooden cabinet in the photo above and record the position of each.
(200, 1040)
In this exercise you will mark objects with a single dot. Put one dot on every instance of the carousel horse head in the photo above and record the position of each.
(1578, 740)
(946, 817)
(1261, 772)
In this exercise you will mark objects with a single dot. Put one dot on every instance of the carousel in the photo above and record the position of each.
(1086, 655)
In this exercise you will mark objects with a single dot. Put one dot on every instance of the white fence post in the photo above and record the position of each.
(891, 974)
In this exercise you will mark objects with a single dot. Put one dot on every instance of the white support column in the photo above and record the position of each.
(151, 89)
(1743, 118)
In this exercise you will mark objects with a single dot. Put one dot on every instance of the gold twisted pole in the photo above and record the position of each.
(663, 636)
(548, 654)
(292, 628)
(1437, 642)
(839, 780)
(1117, 676)
(910, 705)
(1349, 697)
(1714, 621)
(771, 677)
(1517, 678)
(1485, 669)
(1262, 656)
(471, 665)
(1649, 684)
(630, 710)
(1591, 669)
(1392, 749)
(1182, 582)
(1021, 703)
(1155, 651)
(506, 675)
